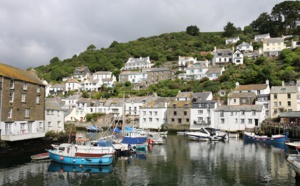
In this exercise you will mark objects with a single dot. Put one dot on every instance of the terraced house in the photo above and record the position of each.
(22, 104)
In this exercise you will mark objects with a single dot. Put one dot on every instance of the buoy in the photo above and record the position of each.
(80, 166)
(61, 158)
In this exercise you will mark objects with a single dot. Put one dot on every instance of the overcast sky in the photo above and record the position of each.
(34, 31)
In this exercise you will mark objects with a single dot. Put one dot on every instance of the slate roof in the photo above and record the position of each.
(243, 44)
(19, 74)
(214, 71)
(52, 105)
(283, 89)
(159, 102)
(224, 52)
(102, 73)
(242, 95)
(293, 114)
(251, 87)
(237, 108)
(273, 40)
(71, 80)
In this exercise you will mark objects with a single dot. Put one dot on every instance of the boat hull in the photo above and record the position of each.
(264, 139)
(57, 167)
(75, 160)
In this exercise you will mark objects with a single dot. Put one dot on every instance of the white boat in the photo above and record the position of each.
(181, 133)
(294, 159)
(207, 134)
(155, 138)
(293, 145)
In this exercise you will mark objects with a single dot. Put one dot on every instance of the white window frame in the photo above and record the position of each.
(23, 98)
(37, 99)
(10, 112)
(38, 88)
(12, 84)
(11, 96)
(27, 113)
(25, 86)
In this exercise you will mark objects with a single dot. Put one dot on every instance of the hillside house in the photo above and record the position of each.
(137, 63)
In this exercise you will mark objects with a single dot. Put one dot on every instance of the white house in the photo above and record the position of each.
(202, 111)
(214, 72)
(256, 88)
(81, 73)
(70, 102)
(239, 117)
(184, 62)
(154, 114)
(72, 84)
(295, 44)
(57, 89)
(222, 56)
(261, 37)
(54, 116)
(195, 71)
(232, 40)
(105, 77)
(245, 47)
(90, 85)
(137, 63)
(132, 76)
(238, 57)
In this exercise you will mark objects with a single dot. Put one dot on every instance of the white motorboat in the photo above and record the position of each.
(208, 133)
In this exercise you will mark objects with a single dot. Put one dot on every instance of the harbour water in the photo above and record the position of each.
(178, 162)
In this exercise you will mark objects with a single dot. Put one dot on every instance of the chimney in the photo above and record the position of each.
(237, 84)
(267, 82)
(282, 83)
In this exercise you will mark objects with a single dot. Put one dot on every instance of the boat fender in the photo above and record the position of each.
(61, 158)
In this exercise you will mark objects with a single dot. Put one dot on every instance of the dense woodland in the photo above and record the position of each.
(284, 19)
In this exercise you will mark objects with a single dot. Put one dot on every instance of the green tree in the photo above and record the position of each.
(229, 30)
(91, 47)
(193, 30)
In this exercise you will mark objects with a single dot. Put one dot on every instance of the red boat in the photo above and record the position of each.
(41, 156)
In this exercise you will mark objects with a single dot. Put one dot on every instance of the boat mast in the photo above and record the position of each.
(123, 116)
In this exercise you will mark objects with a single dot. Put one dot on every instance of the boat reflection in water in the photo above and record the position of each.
(57, 167)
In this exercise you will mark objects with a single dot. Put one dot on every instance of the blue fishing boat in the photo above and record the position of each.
(57, 167)
(279, 138)
(74, 154)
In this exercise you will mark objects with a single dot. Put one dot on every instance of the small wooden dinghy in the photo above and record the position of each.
(41, 156)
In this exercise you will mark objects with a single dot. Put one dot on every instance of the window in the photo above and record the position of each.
(231, 113)
(179, 120)
(187, 120)
(144, 119)
(275, 96)
(175, 113)
(37, 100)
(172, 119)
(23, 99)
(186, 105)
(174, 106)
(11, 97)
(38, 88)
(24, 86)
(144, 113)
(253, 112)
(150, 119)
(155, 113)
(242, 112)
(275, 104)
(27, 113)
(185, 113)
(222, 121)
(157, 120)
(288, 103)
(59, 124)
(222, 114)
(289, 96)
(236, 120)
(49, 124)
(12, 84)
(10, 113)
(242, 121)
(200, 111)
(250, 121)
(234, 100)
(150, 113)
